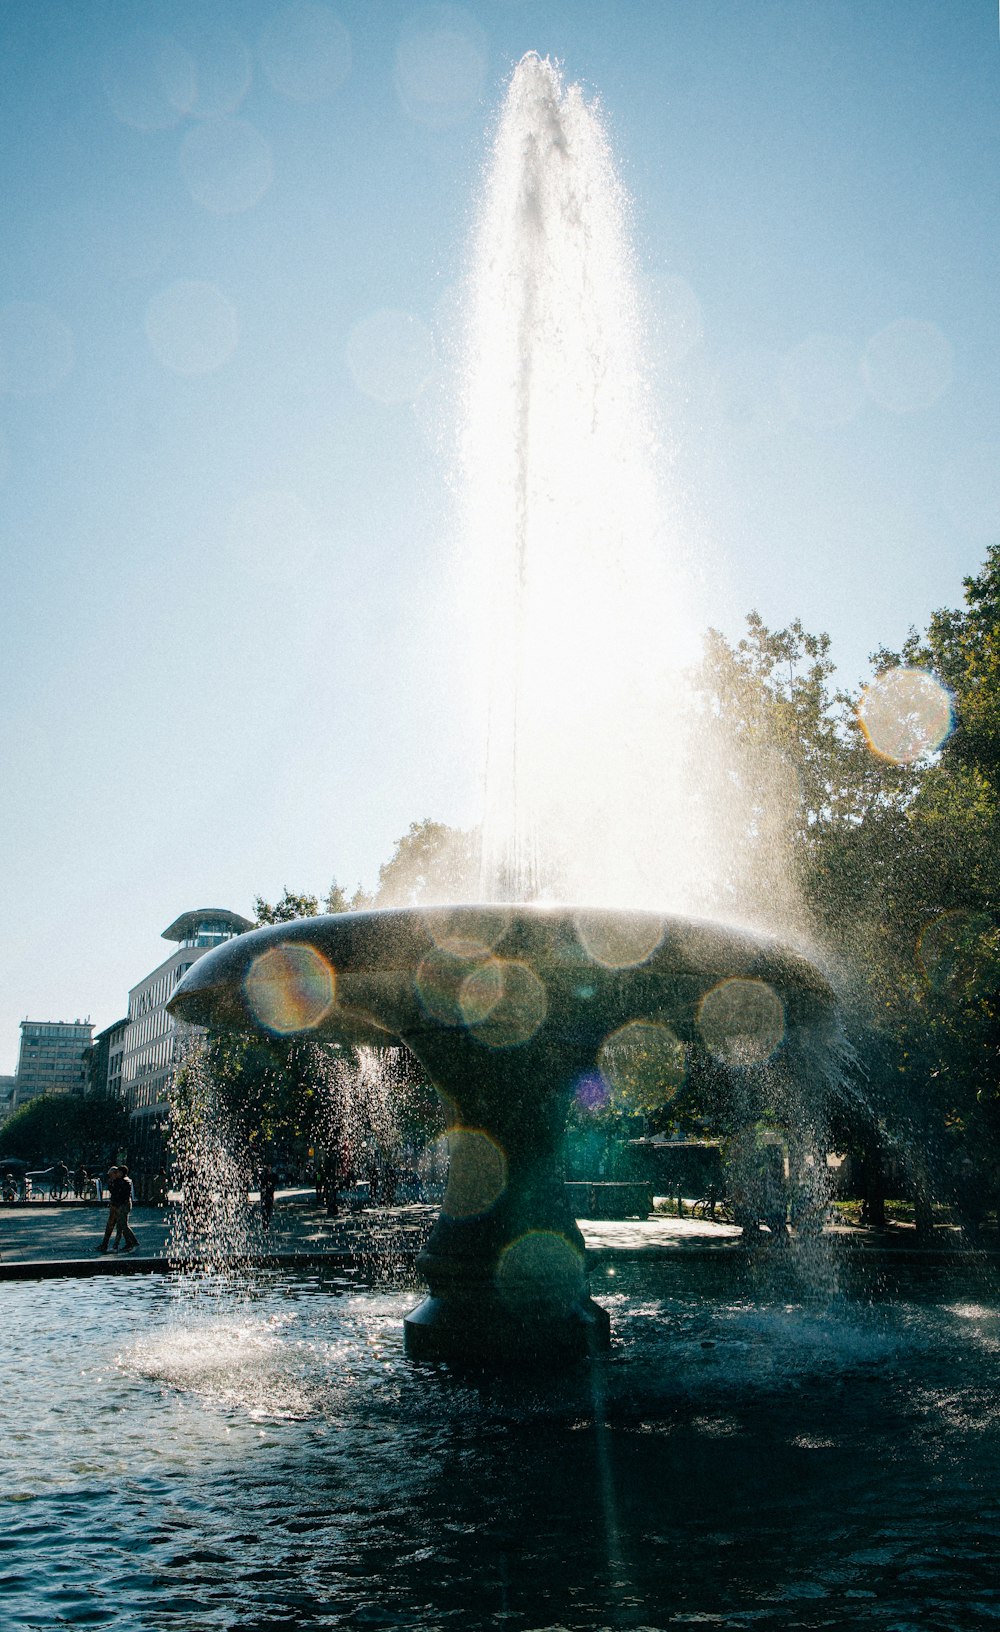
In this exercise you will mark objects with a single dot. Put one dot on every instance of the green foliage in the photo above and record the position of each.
(268, 1090)
(336, 899)
(895, 865)
(66, 1127)
(290, 907)
(430, 863)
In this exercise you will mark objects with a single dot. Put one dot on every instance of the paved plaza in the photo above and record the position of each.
(39, 1232)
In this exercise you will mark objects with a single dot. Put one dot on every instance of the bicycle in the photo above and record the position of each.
(716, 1207)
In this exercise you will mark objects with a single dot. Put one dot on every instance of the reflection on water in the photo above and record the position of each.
(266, 1459)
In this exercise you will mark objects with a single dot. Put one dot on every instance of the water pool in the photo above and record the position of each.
(263, 1458)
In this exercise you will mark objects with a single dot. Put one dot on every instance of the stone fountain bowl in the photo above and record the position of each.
(510, 1009)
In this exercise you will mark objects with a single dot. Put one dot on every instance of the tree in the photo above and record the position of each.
(66, 1127)
(431, 863)
(290, 907)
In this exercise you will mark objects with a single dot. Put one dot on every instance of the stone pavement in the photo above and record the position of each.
(71, 1230)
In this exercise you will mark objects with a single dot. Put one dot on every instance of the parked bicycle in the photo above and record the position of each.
(715, 1206)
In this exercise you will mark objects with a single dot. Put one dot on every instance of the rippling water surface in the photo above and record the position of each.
(264, 1458)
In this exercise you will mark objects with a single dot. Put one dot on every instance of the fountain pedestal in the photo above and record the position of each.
(505, 1262)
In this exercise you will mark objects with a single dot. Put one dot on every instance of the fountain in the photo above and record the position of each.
(746, 1454)
(512, 1004)
(509, 1009)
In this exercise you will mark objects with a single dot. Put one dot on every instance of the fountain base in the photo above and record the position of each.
(490, 1333)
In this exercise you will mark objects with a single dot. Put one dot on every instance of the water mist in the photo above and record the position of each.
(605, 782)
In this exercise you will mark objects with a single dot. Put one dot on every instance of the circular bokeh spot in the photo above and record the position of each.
(227, 165)
(742, 1021)
(907, 366)
(305, 51)
(36, 349)
(391, 356)
(192, 328)
(440, 65)
(503, 1002)
(465, 932)
(290, 988)
(904, 714)
(477, 1173)
(618, 940)
(960, 952)
(541, 1268)
(223, 67)
(644, 1064)
(150, 80)
(438, 985)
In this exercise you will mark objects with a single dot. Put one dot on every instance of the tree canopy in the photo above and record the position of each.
(66, 1127)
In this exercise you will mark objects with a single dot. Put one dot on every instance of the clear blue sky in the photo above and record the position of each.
(208, 211)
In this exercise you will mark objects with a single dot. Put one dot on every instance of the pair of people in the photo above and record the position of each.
(121, 1192)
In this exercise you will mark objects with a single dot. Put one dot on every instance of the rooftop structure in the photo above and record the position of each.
(206, 926)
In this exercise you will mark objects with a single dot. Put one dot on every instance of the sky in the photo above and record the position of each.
(234, 243)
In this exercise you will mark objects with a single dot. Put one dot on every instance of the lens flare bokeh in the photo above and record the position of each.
(290, 988)
(618, 942)
(644, 1063)
(905, 714)
(438, 985)
(541, 1264)
(742, 1022)
(504, 1002)
(477, 1173)
(959, 952)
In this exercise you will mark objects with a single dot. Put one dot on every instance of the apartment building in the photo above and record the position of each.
(104, 1067)
(52, 1059)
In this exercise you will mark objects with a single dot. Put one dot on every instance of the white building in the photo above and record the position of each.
(154, 1042)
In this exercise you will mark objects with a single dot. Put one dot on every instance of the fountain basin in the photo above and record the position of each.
(746, 1458)
(511, 1010)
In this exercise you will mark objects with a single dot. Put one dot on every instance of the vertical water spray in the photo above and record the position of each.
(584, 624)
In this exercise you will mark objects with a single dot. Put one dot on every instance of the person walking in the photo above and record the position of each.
(112, 1211)
(120, 1205)
(268, 1182)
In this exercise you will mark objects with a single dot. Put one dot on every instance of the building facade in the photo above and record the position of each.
(6, 1096)
(52, 1059)
(153, 1043)
(104, 1066)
